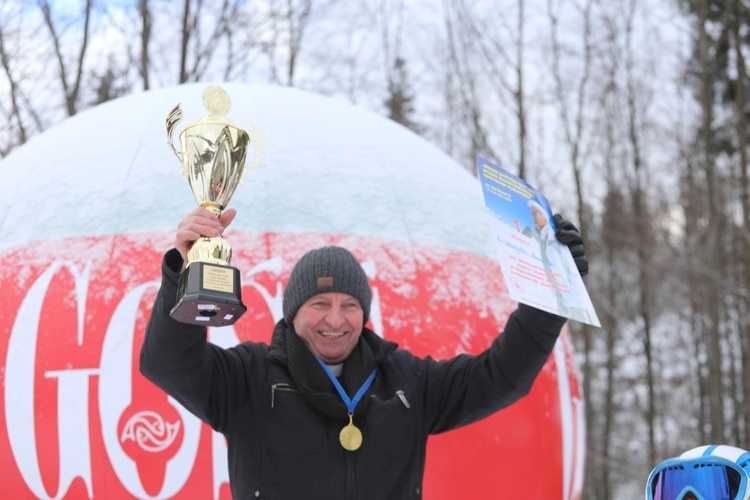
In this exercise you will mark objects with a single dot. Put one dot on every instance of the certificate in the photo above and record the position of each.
(538, 269)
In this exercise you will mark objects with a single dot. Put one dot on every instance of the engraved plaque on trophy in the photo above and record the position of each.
(213, 158)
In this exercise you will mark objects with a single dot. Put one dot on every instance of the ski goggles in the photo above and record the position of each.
(701, 478)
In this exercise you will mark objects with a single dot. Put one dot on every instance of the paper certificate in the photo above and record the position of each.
(538, 269)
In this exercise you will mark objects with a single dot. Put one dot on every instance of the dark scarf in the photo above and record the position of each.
(313, 382)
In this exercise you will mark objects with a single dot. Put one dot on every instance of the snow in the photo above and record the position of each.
(328, 167)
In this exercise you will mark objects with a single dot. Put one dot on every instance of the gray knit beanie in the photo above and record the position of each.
(323, 270)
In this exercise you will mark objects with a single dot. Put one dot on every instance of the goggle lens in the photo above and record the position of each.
(711, 481)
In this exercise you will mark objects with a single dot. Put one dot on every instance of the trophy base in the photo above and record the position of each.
(209, 295)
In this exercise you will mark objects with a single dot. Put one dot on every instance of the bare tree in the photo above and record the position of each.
(715, 390)
(573, 121)
(506, 70)
(21, 116)
(71, 83)
(196, 48)
(740, 17)
(644, 233)
(463, 89)
(609, 251)
(519, 93)
(286, 23)
(188, 27)
(144, 12)
(14, 114)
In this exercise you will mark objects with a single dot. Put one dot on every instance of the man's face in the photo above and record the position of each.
(330, 325)
(540, 220)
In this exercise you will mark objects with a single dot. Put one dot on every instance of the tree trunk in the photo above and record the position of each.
(145, 13)
(520, 105)
(184, 40)
(14, 106)
(715, 392)
(643, 237)
(744, 244)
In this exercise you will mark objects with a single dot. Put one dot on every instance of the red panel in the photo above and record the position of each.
(433, 301)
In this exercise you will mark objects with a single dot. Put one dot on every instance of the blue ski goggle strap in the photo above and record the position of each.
(705, 478)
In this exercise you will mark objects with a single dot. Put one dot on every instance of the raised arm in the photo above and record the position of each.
(469, 388)
(176, 356)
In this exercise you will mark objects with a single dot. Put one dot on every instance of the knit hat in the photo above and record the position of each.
(323, 270)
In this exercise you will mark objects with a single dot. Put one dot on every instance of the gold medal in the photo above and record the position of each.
(350, 436)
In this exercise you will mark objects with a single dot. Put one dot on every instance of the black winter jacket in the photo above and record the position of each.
(280, 446)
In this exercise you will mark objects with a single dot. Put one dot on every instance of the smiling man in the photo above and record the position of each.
(329, 410)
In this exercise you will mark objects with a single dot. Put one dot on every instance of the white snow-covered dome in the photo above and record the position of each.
(327, 166)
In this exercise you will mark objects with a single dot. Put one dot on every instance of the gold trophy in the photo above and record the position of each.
(213, 157)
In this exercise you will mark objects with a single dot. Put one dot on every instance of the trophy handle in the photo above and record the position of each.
(174, 117)
(257, 141)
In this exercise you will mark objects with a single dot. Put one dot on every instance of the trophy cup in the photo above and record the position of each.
(213, 157)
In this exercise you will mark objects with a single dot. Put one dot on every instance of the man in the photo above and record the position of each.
(329, 410)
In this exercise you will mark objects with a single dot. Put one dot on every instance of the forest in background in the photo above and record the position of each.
(630, 115)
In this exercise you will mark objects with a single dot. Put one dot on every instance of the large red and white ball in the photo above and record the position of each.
(88, 208)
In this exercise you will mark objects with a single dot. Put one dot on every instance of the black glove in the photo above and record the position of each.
(568, 235)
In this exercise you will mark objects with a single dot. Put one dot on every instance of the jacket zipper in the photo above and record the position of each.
(400, 395)
(281, 387)
(351, 483)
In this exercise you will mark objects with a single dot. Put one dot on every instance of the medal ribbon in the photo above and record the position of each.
(351, 404)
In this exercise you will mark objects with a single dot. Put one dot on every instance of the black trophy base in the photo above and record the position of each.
(209, 295)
